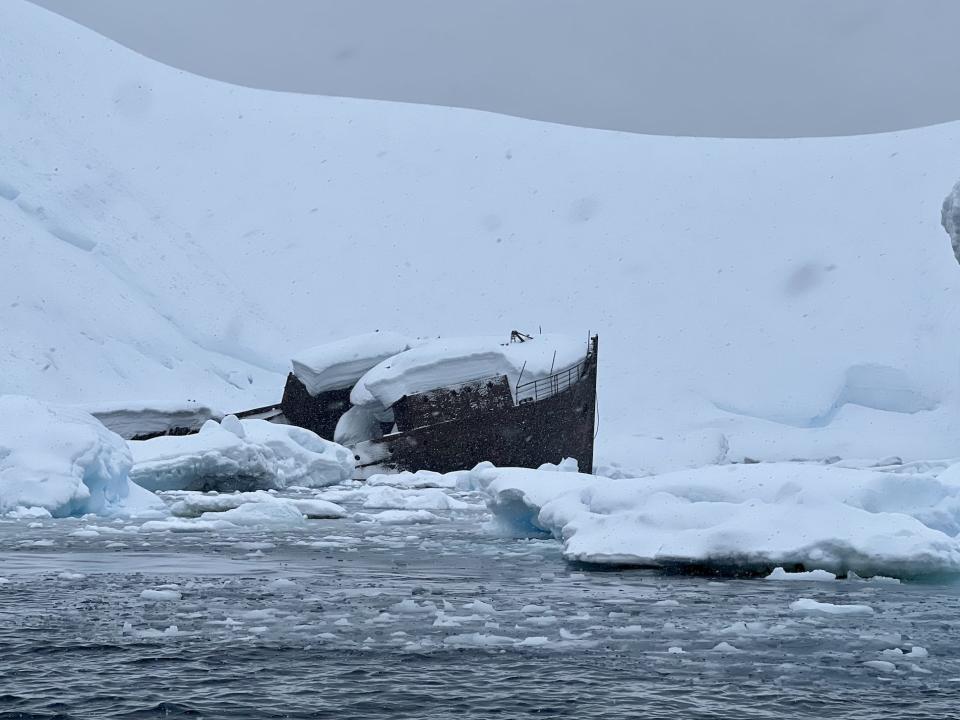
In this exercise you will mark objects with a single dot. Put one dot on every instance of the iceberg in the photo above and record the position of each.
(240, 455)
(63, 461)
(742, 518)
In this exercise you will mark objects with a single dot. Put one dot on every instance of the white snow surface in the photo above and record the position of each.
(238, 455)
(451, 361)
(760, 516)
(140, 418)
(62, 461)
(150, 243)
(340, 364)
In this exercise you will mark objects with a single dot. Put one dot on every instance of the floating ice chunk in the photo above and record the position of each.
(428, 499)
(725, 647)
(241, 455)
(67, 575)
(541, 621)
(481, 607)
(194, 504)
(537, 641)
(667, 603)
(409, 606)
(810, 575)
(675, 650)
(534, 609)
(64, 461)
(568, 635)
(477, 640)
(319, 509)
(152, 633)
(283, 586)
(275, 514)
(398, 517)
(340, 364)
(917, 652)
(160, 595)
(881, 665)
(882, 579)
(807, 606)
(418, 480)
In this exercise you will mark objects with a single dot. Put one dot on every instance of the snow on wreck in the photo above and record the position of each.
(446, 404)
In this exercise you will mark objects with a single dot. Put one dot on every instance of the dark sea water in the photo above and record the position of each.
(346, 619)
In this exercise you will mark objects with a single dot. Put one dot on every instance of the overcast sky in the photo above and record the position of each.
(683, 67)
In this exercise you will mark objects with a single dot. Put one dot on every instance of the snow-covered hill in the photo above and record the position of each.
(169, 237)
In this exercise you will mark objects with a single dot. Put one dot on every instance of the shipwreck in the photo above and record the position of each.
(439, 404)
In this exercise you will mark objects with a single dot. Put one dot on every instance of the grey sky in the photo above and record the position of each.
(684, 67)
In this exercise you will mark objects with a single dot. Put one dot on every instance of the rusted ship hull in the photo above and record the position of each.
(528, 434)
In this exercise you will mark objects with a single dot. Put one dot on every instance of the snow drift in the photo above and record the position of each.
(62, 461)
(737, 285)
(450, 361)
(743, 517)
(240, 455)
(340, 364)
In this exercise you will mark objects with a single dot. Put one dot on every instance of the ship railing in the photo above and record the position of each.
(559, 382)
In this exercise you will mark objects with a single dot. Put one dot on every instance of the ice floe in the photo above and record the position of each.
(741, 517)
(240, 455)
(807, 606)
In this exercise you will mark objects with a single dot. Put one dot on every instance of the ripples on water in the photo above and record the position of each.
(308, 624)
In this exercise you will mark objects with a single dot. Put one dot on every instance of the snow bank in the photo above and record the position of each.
(63, 461)
(450, 361)
(131, 193)
(240, 455)
(742, 517)
(128, 419)
(340, 364)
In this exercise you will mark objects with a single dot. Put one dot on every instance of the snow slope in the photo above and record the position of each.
(169, 237)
